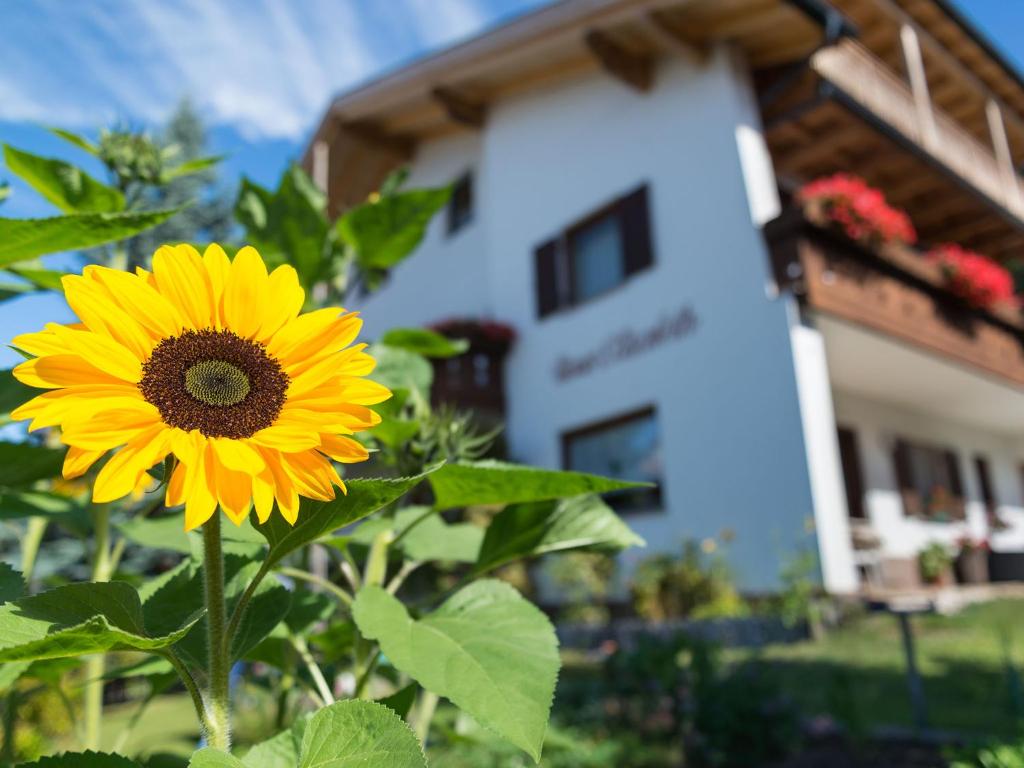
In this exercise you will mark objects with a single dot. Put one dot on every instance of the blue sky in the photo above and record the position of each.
(260, 72)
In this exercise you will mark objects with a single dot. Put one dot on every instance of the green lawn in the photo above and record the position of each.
(857, 674)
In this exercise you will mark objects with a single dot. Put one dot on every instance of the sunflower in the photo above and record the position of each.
(208, 360)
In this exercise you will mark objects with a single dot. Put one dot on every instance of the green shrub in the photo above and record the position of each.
(697, 585)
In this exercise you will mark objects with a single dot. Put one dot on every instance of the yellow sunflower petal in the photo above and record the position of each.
(302, 327)
(363, 391)
(218, 266)
(176, 486)
(234, 492)
(263, 494)
(100, 312)
(121, 474)
(200, 493)
(286, 438)
(102, 352)
(140, 300)
(57, 371)
(284, 486)
(237, 455)
(182, 278)
(245, 295)
(77, 462)
(343, 449)
(332, 338)
(110, 429)
(285, 298)
(41, 343)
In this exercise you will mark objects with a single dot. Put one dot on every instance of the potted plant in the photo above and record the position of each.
(936, 563)
(860, 210)
(972, 561)
(976, 279)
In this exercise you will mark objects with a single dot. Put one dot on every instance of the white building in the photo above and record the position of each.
(623, 170)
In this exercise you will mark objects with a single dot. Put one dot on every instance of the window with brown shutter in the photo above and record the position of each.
(594, 255)
(929, 481)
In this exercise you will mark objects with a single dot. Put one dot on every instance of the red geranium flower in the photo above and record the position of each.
(861, 210)
(975, 278)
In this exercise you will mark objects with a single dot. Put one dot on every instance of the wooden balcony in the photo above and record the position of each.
(850, 68)
(893, 291)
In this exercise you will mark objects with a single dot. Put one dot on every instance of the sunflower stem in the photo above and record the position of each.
(34, 532)
(219, 709)
(95, 664)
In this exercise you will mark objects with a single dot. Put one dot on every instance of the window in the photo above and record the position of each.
(460, 204)
(853, 477)
(626, 447)
(929, 481)
(594, 255)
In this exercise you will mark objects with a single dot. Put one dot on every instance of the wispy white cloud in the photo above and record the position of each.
(267, 67)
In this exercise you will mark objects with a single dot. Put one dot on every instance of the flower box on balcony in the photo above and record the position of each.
(976, 279)
(859, 210)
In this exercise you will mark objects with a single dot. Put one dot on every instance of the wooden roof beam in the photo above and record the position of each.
(634, 69)
(693, 50)
(461, 108)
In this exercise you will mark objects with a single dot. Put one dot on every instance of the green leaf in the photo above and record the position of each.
(496, 482)
(24, 463)
(533, 529)
(22, 239)
(488, 650)
(424, 342)
(401, 369)
(5, 191)
(79, 141)
(12, 585)
(189, 167)
(13, 393)
(41, 278)
(66, 186)
(83, 760)
(168, 532)
(386, 231)
(429, 539)
(401, 701)
(77, 619)
(10, 291)
(180, 593)
(320, 518)
(214, 758)
(20, 504)
(358, 734)
(281, 751)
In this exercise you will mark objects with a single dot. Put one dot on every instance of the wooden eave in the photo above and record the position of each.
(451, 91)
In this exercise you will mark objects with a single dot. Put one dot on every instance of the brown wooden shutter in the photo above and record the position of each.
(546, 261)
(905, 480)
(853, 476)
(636, 231)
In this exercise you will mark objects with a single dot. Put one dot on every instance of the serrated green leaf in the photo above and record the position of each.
(79, 141)
(387, 230)
(401, 369)
(83, 760)
(214, 758)
(12, 585)
(488, 650)
(529, 530)
(23, 463)
(424, 342)
(180, 593)
(77, 619)
(281, 751)
(320, 518)
(358, 734)
(66, 186)
(496, 482)
(190, 166)
(23, 239)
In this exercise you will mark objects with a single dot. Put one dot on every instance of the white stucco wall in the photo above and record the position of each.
(726, 396)
(878, 425)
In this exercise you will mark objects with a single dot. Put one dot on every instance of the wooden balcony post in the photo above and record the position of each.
(1001, 145)
(919, 85)
(321, 164)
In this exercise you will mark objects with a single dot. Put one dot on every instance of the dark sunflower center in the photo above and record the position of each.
(216, 382)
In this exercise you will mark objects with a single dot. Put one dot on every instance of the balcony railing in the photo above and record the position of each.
(870, 83)
(895, 291)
